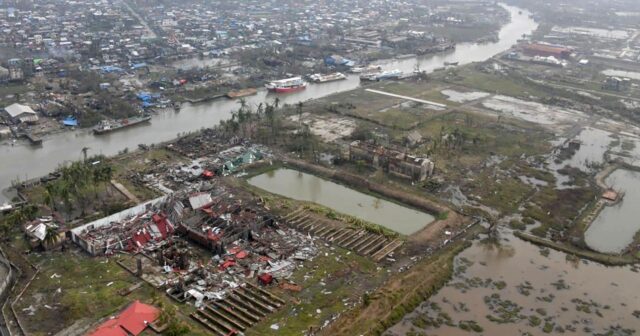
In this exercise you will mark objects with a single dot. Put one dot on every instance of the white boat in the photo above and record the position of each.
(378, 76)
(320, 78)
(370, 68)
(287, 85)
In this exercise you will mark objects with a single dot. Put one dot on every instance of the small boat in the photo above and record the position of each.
(378, 76)
(319, 78)
(370, 68)
(287, 85)
(451, 63)
(241, 93)
(107, 126)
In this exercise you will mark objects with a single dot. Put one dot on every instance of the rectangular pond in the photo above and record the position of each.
(613, 230)
(305, 187)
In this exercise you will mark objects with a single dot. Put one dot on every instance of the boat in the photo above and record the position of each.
(320, 78)
(107, 126)
(287, 85)
(370, 68)
(451, 63)
(393, 74)
(241, 93)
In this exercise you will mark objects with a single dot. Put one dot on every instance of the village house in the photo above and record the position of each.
(19, 113)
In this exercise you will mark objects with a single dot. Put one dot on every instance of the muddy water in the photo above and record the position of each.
(613, 230)
(537, 286)
(305, 187)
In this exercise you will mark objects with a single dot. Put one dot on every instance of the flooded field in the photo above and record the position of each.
(613, 230)
(622, 73)
(532, 111)
(305, 187)
(595, 32)
(516, 288)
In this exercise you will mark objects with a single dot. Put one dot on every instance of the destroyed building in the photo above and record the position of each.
(392, 161)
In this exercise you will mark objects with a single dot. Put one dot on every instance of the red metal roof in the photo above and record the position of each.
(130, 321)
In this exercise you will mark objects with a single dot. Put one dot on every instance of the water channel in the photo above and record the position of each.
(23, 161)
(613, 230)
(305, 187)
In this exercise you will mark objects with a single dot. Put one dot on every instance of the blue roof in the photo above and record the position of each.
(70, 121)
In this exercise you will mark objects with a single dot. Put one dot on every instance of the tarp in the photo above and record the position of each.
(70, 121)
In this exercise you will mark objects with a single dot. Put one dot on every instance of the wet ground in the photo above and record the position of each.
(516, 288)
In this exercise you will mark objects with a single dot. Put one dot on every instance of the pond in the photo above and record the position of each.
(613, 230)
(305, 187)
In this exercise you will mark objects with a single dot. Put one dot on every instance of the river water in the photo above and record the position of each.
(23, 161)
(301, 186)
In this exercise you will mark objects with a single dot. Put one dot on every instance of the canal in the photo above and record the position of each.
(305, 187)
(23, 161)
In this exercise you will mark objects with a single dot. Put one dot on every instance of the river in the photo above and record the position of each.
(301, 186)
(23, 161)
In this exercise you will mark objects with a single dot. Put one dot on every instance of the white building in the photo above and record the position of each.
(21, 113)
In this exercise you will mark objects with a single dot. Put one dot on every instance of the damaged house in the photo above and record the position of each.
(394, 162)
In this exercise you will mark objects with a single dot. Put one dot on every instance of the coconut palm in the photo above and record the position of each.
(50, 237)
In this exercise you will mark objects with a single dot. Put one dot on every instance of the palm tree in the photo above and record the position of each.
(51, 191)
(276, 102)
(84, 153)
(50, 237)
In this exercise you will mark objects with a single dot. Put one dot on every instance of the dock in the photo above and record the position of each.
(33, 139)
(422, 101)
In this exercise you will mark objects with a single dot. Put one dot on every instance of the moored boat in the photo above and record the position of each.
(241, 93)
(370, 68)
(377, 76)
(287, 85)
(320, 78)
(107, 126)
